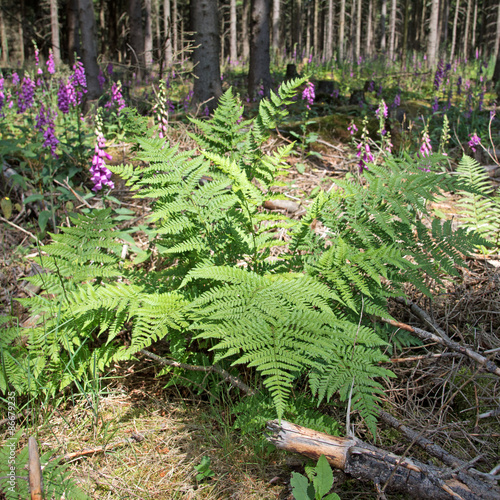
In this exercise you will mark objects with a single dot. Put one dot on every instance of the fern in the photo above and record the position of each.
(479, 208)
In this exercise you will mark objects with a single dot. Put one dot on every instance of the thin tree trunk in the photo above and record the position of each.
(297, 26)
(316, 28)
(383, 18)
(474, 21)
(423, 24)
(341, 30)
(369, 30)
(454, 30)
(259, 70)
(73, 30)
(329, 33)
(392, 30)
(358, 31)
(497, 40)
(3, 35)
(433, 40)
(136, 35)
(148, 37)
(467, 29)
(352, 31)
(233, 29)
(167, 32)
(89, 49)
(20, 32)
(405, 32)
(276, 26)
(245, 34)
(308, 30)
(156, 8)
(54, 27)
(102, 27)
(174, 28)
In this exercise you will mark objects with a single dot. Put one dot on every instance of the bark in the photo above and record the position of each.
(423, 24)
(244, 31)
(259, 70)
(207, 84)
(392, 30)
(297, 26)
(496, 71)
(474, 22)
(35, 470)
(467, 29)
(89, 49)
(54, 27)
(136, 34)
(20, 33)
(329, 33)
(454, 30)
(497, 40)
(390, 472)
(369, 30)
(341, 30)
(308, 29)
(148, 36)
(156, 16)
(73, 30)
(167, 32)
(316, 29)
(3, 36)
(174, 28)
(433, 40)
(352, 37)
(405, 31)
(276, 25)
(383, 18)
(358, 30)
(233, 29)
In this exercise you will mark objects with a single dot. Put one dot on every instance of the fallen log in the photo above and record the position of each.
(388, 471)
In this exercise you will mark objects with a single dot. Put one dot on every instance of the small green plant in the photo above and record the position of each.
(316, 485)
(204, 470)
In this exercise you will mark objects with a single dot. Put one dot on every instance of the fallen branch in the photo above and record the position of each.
(454, 346)
(34, 470)
(366, 462)
(234, 381)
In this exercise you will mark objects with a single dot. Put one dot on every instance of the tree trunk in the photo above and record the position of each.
(352, 31)
(244, 31)
(433, 40)
(358, 31)
(167, 32)
(423, 24)
(369, 30)
(3, 36)
(136, 35)
(156, 16)
(233, 33)
(148, 37)
(297, 26)
(383, 18)
(405, 32)
(454, 30)
(89, 49)
(54, 28)
(259, 70)
(276, 26)
(392, 30)
(73, 30)
(497, 39)
(316, 29)
(496, 71)
(474, 21)
(20, 32)
(329, 33)
(366, 462)
(174, 28)
(341, 30)
(467, 29)
(207, 84)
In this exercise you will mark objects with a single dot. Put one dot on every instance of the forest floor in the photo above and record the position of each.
(133, 438)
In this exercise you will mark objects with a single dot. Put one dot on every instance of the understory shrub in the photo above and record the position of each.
(226, 281)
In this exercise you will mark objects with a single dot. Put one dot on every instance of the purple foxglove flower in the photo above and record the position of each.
(15, 79)
(382, 110)
(101, 78)
(308, 94)
(435, 106)
(45, 123)
(63, 99)
(26, 95)
(352, 129)
(100, 175)
(51, 67)
(474, 141)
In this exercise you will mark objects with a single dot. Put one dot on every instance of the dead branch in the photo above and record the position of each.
(450, 344)
(366, 462)
(35, 470)
(234, 381)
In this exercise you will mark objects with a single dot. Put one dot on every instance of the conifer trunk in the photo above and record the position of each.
(259, 71)
(54, 28)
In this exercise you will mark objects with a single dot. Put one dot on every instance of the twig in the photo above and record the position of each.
(450, 344)
(491, 413)
(423, 316)
(431, 448)
(75, 194)
(424, 356)
(321, 141)
(234, 381)
(21, 229)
